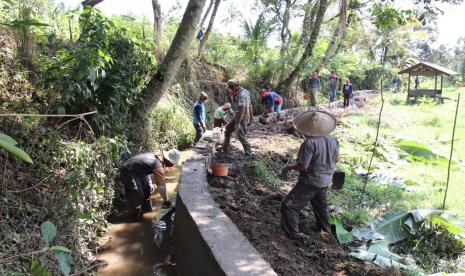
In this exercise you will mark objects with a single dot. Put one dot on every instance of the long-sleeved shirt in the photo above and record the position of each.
(347, 89)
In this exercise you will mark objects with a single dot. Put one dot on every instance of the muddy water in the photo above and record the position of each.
(130, 250)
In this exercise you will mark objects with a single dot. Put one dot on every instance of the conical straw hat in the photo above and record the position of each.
(314, 123)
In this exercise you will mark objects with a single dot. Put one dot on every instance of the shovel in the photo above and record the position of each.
(338, 180)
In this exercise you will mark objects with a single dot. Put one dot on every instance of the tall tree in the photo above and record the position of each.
(177, 52)
(285, 35)
(205, 16)
(307, 25)
(338, 33)
(157, 26)
(286, 84)
(204, 40)
(282, 12)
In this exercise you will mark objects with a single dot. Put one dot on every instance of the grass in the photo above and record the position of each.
(425, 122)
(266, 176)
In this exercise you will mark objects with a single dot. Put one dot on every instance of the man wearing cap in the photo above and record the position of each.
(199, 116)
(243, 118)
(271, 101)
(316, 161)
(135, 176)
(222, 115)
(314, 83)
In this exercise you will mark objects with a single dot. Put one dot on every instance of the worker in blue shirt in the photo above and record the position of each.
(199, 116)
(271, 101)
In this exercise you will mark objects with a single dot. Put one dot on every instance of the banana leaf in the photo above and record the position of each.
(420, 152)
(450, 224)
(343, 236)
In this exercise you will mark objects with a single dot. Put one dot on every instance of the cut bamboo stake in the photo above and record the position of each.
(375, 143)
(451, 150)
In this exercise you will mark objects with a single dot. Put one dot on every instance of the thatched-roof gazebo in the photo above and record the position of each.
(430, 70)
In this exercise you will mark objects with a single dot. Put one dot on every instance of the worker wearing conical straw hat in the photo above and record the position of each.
(316, 161)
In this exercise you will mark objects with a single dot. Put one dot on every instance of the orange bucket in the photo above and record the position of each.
(219, 169)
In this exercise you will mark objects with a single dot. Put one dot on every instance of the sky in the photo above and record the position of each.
(450, 24)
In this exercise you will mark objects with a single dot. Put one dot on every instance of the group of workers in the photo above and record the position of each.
(315, 162)
(311, 86)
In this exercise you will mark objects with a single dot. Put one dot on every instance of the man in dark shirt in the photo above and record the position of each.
(135, 176)
(332, 84)
(316, 161)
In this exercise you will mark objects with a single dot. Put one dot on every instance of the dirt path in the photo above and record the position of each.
(130, 250)
(251, 196)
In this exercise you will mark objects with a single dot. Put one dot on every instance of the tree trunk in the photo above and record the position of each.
(177, 52)
(205, 16)
(91, 2)
(338, 33)
(157, 27)
(285, 37)
(285, 86)
(307, 25)
(209, 29)
(344, 34)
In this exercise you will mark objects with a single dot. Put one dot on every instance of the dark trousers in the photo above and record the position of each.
(296, 200)
(137, 191)
(346, 100)
(198, 132)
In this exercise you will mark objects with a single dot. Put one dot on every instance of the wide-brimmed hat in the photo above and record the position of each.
(173, 156)
(227, 106)
(315, 123)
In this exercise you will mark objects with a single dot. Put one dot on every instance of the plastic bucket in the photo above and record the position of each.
(219, 169)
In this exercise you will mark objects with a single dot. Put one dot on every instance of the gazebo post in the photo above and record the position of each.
(441, 83)
(435, 81)
(408, 86)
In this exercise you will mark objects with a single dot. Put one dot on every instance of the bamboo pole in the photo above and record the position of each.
(375, 144)
(451, 151)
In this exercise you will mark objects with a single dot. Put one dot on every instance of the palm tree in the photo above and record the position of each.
(257, 33)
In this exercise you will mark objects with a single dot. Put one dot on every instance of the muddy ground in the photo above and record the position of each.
(251, 197)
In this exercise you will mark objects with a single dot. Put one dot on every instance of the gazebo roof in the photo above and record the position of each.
(428, 69)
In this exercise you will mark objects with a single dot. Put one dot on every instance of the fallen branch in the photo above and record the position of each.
(3, 261)
(46, 115)
(74, 117)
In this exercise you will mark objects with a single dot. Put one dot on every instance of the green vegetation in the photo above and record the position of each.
(265, 174)
(60, 60)
(421, 166)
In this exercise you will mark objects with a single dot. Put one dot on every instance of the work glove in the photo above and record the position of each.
(204, 128)
(152, 188)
